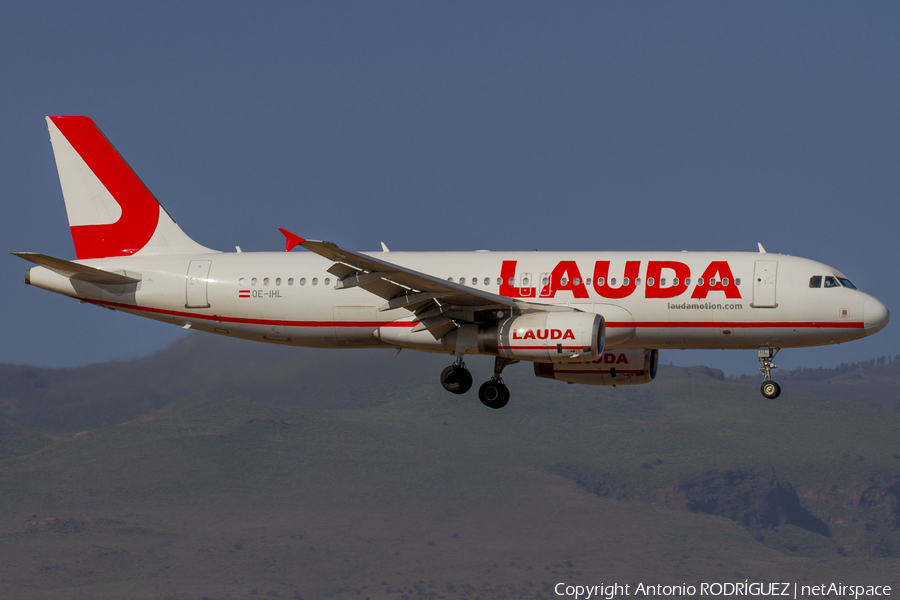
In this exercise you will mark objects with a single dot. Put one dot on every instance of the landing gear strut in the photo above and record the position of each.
(493, 392)
(769, 388)
(456, 378)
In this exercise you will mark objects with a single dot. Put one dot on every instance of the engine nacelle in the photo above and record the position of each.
(549, 337)
(614, 367)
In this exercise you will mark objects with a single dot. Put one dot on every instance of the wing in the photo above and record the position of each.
(439, 305)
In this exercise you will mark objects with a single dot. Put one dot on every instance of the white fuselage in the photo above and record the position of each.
(557, 310)
(290, 298)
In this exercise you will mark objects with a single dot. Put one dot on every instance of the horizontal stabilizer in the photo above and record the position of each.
(77, 271)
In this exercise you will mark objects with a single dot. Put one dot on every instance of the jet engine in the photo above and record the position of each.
(549, 337)
(614, 367)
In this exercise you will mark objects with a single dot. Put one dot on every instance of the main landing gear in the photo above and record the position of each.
(493, 393)
(456, 378)
(769, 388)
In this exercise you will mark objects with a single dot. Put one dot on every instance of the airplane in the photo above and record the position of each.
(596, 318)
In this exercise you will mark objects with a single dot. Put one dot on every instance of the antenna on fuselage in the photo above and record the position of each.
(761, 249)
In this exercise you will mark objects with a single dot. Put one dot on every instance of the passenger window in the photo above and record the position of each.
(525, 282)
(612, 281)
(242, 281)
(315, 281)
(712, 282)
(462, 281)
(625, 281)
(278, 281)
(737, 281)
(700, 281)
(303, 281)
(650, 282)
(512, 281)
(587, 281)
(265, 281)
(474, 281)
(563, 281)
(725, 281)
(662, 281)
(637, 281)
(831, 282)
(450, 279)
(544, 281)
(576, 281)
(290, 281)
(815, 281)
(253, 281)
(687, 281)
(675, 281)
(327, 281)
(487, 281)
(846, 283)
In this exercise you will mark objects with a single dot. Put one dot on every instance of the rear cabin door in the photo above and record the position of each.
(764, 274)
(197, 282)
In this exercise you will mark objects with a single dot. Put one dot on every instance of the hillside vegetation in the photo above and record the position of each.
(225, 469)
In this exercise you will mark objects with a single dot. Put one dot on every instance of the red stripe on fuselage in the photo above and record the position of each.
(593, 371)
(245, 321)
(547, 347)
(411, 323)
(756, 324)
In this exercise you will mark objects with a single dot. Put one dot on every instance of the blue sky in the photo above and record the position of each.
(461, 126)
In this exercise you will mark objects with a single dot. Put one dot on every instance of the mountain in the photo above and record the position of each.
(220, 469)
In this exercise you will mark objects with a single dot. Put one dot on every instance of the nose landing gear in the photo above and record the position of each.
(769, 388)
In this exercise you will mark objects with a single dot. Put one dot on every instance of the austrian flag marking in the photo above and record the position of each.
(243, 293)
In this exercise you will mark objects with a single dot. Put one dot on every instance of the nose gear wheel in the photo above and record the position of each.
(769, 388)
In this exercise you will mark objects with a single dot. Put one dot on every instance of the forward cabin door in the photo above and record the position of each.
(764, 273)
(197, 282)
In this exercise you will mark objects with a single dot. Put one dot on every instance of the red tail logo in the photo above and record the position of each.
(140, 210)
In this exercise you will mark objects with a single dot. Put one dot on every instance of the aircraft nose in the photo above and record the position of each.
(875, 315)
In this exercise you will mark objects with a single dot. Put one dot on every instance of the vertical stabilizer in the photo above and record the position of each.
(111, 212)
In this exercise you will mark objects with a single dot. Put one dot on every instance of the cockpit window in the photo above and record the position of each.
(831, 282)
(815, 281)
(846, 283)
